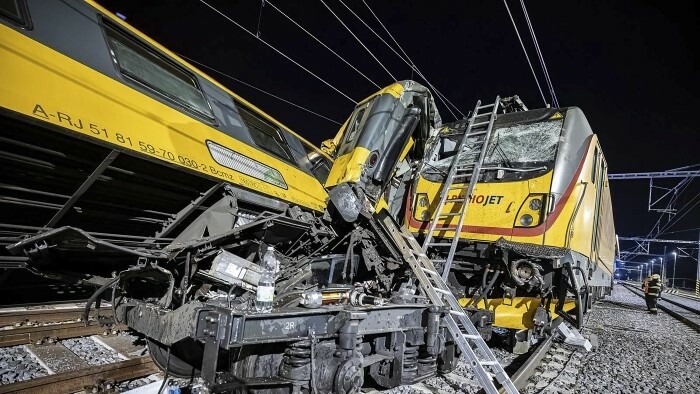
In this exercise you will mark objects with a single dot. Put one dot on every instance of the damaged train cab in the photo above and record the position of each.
(539, 240)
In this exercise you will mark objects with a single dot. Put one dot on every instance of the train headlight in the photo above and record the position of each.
(526, 220)
(531, 212)
(423, 201)
(421, 207)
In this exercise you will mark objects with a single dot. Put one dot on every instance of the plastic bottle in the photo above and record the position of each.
(266, 284)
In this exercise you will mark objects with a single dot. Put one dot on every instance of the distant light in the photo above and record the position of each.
(121, 16)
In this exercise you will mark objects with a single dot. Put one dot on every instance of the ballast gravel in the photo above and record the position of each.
(16, 364)
(92, 352)
(638, 352)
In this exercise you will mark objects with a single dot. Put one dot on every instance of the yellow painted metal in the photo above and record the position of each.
(395, 89)
(493, 210)
(48, 86)
(517, 313)
(185, 63)
(348, 167)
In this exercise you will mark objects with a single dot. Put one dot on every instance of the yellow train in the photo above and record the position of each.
(128, 169)
(107, 131)
(539, 238)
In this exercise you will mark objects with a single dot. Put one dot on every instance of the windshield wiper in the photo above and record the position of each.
(531, 169)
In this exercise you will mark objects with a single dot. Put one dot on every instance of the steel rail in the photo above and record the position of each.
(47, 315)
(74, 381)
(527, 369)
(27, 335)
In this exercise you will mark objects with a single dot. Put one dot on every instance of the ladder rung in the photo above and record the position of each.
(439, 244)
(484, 106)
(475, 133)
(458, 313)
(439, 261)
(444, 229)
(454, 200)
(442, 291)
(459, 186)
(471, 336)
(431, 272)
(477, 124)
(419, 254)
(488, 362)
(451, 214)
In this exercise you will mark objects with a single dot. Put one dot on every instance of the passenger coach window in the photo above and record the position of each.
(16, 12)
(152, 70)
(265, 134)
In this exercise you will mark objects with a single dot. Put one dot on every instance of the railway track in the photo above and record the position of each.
(73, 381)
(49, 349)
(692, 321)
(21, 326)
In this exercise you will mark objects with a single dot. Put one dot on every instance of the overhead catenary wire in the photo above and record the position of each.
(537, 81)
(258, 89)
(445, 101)
(323, 44)
(358, 40)
(278, 51)
(555, 101)
(682, 186)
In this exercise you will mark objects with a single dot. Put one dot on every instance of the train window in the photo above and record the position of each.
(320, 166)
(16, 12)
(265, 134)
(147, 67)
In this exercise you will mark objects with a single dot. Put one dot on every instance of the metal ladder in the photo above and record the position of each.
(481, 359)
(475, 152)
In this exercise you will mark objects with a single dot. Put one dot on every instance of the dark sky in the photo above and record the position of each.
(631, 66)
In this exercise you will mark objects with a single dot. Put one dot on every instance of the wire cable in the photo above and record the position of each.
(324, 45)
(358, 39)
(278, 51)
(258, 89)
(525, 52)
(407, 60)
(555, 101)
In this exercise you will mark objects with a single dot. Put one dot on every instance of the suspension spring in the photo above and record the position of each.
(298, 354)
(410, 363)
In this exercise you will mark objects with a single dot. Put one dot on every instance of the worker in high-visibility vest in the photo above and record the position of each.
(652, 290)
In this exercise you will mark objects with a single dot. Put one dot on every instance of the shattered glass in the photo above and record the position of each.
(526, 143)
(520, 145)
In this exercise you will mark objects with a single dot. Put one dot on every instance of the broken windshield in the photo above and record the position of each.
(518, 147)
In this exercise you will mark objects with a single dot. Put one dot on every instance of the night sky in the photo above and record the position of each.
(630, 66)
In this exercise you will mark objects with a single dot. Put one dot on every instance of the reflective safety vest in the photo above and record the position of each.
(654, 288)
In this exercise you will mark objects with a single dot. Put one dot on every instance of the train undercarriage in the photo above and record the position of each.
(346, 308)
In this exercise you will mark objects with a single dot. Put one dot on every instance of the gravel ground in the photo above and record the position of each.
(16, 364)
(638, 352)
(90, 351)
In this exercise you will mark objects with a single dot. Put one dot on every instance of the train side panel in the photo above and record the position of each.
(51, 87)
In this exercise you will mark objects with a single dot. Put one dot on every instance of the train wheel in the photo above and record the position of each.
(185, 358)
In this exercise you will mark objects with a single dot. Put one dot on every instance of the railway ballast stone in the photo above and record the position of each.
(16, 364)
